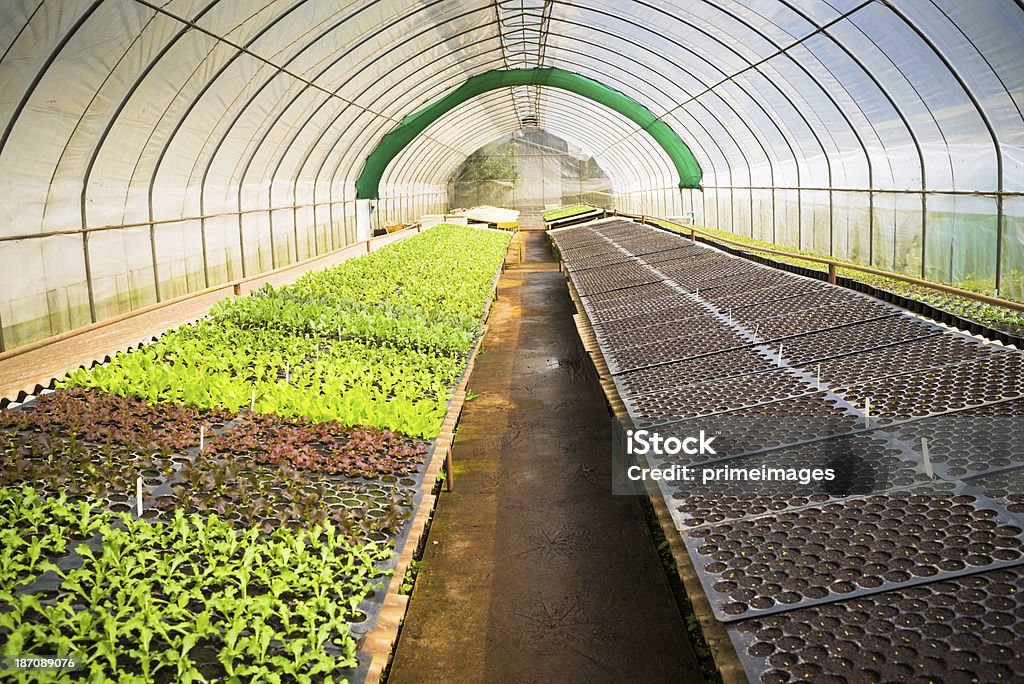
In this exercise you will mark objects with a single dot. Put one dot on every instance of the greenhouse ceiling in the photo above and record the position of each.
(136, 129)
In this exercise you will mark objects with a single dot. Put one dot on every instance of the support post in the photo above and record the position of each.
(832, 273)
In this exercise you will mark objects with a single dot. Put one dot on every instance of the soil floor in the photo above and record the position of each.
(533, 571)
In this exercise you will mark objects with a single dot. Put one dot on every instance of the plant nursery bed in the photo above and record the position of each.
(211, 424)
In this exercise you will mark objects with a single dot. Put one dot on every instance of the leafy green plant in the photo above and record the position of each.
(565, 212)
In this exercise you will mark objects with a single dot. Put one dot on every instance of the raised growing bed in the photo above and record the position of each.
(894, 527)
(239, 488)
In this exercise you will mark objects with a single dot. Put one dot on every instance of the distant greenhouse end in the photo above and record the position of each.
(411, 126)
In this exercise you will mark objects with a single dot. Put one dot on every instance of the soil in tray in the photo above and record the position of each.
(876, 542)
(819, 318)
(957, 631)
(676, 349)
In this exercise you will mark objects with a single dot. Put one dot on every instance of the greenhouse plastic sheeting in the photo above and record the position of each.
(150, 149)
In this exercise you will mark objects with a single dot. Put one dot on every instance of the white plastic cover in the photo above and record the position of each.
(154, 147)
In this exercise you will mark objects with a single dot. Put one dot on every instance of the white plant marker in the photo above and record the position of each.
(757, 326)
(138, 495)
(781, 345)
(202, 437)
(927, 459)
(867, 411)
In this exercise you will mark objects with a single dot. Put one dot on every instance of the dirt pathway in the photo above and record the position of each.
(534, 571)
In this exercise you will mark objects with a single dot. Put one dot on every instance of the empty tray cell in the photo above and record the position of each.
(752, 313)
(948, 388)
(971, 442)
(820, 318)
(631, 337)
(872, 544)
(928, 352)
(622, 360)
(715, 396)
(850, 339)
(866, 463)
(782, 289)
(654, 318)
(681, 373)
(958, 631)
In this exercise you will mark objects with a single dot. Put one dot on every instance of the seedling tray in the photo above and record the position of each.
(638, 323)
(597, 261)
(692, 371)
(777, 290)
(759, 311)
(953, 387)
(969, 443)
(832, 315)
(628, 308)
(866, 463)
(959, 630)
(676, 349)
(859, 547)
(1006, 486)
(859, 337)
(714, 396)
(923, 353)
(694, 324)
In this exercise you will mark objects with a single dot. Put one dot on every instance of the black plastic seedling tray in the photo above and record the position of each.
(857, 547)
(959, 631)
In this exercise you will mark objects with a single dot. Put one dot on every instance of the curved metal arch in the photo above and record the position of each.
(768, 157)
(429, 155)
(621, 164)
(338, 166)
(411, 126)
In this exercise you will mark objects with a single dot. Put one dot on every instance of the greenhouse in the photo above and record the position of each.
(517, 340)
